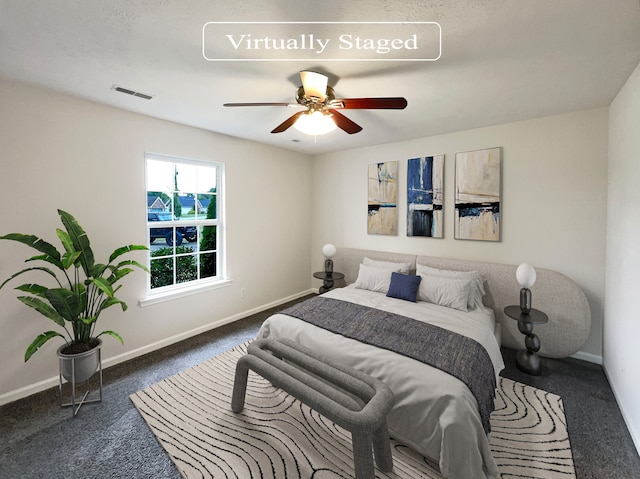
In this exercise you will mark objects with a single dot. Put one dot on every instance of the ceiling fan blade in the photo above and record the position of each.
(260, 104)
(345, 123)
(285, 125)
(392, 103)
(314, 84)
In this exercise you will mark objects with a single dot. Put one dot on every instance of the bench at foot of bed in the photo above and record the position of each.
(296, 369)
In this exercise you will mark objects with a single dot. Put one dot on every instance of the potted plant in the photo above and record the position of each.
(82, 289)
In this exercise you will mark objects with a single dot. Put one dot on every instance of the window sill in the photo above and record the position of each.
(154, 298)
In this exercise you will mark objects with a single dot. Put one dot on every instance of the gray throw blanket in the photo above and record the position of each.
(457, 355)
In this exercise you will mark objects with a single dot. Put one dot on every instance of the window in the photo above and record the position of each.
(184, 222)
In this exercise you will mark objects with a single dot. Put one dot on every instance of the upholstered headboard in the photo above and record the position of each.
(554, 293)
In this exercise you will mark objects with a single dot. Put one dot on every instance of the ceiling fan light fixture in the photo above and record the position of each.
(315, 123)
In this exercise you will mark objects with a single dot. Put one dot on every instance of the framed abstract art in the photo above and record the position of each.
(425, 188)
(382, 217)
(478, 195)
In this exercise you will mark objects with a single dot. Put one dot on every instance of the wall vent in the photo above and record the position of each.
(146, 96)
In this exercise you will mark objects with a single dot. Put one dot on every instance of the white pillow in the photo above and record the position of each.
(449, 292)
(400, 267)
(477, 287)
(374, 279)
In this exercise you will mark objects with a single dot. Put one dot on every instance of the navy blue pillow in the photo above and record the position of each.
(404, 286)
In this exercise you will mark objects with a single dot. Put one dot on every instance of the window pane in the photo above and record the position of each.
(170, 236)
(161, 272)
(159, 176)
(185, 205)
(187, 270)
(208, 266)
(207, 206)
(207, 179)
(190, 236)
(208, 238)
(158, 202)
(176, 206)
(186, 177)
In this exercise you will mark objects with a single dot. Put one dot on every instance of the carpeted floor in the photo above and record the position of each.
(38, 439)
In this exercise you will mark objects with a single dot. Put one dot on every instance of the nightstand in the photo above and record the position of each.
(328, 279)
(527, 359)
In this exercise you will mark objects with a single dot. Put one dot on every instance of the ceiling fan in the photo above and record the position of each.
(321, 106)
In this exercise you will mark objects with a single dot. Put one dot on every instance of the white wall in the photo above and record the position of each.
(622, 320)
(62, 152)
(553, 200)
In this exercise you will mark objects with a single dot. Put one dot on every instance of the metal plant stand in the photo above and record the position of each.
(75, 405)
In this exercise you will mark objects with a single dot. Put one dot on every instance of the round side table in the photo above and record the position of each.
(527, 360)
(328, 279)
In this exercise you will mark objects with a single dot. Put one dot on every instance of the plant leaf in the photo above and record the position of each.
(99, 269)
(38, 342)
(80, 241)
(43, 308)
(112, 333)
(47, 258)
(111, 301)
(65, 302)
(40, 268)
(103, 285)
(65, 239)
(118, 274)
(89, 320)
(34, 289)
(39, 244)
(126, 249)
(70, 258)
(131, 262)
(81, 293)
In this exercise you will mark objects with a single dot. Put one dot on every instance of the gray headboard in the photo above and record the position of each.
(554, 293)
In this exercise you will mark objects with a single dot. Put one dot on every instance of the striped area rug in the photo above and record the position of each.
(278, 437)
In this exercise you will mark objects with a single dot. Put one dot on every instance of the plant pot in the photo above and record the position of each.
(82, 364)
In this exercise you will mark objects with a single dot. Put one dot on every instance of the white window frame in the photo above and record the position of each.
(176, 290)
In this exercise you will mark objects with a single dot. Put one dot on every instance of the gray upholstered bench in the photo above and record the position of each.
(296, 369)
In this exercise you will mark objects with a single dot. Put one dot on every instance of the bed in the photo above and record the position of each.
(434, 413)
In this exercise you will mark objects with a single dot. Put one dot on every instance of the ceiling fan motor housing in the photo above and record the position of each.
(305, 100)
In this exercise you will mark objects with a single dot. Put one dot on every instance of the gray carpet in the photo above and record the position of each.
(111, 440)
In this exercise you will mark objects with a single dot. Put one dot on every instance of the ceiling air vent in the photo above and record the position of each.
(146, 96)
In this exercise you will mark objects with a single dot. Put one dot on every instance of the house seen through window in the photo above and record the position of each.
(183, 221)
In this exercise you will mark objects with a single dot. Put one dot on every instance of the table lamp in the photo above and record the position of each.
(328, 251)
(526, 276)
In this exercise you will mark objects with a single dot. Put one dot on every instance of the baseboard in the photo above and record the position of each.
(54, 381)
(589, 357)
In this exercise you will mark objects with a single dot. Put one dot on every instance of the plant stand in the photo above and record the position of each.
(75, 405)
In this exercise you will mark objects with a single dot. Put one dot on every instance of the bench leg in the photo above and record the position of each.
(382, 448)
(240, 385)
(362, 457)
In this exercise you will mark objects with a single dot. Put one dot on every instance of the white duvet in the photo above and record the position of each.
(434, 413)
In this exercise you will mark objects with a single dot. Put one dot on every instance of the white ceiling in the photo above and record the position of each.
(502, 61)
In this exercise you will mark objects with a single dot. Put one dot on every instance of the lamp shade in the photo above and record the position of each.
(328, 250)
(315, 85)
(315, 123)
(526, 275)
